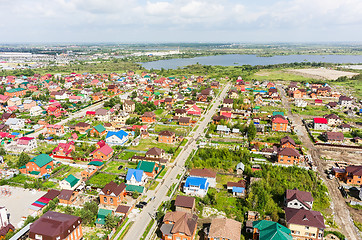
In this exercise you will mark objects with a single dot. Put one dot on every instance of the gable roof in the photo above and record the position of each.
(71, 180)
(99, 128)
(287, 139)
(120, 134)
(65, 194)
(166, 133)
(204, 172)
(42, 160)
(288, 152)
(202, 183)
(155, 151)
(183, 222)
(269, 230)
(137, 173)
(112, 187)
(105, 149)
(320, 120)
(225, 228)
(301, 196)
(146, 166)
(304, 217)
(355, 170)
(185, 201)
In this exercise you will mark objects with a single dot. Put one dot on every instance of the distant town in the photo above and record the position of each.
(194, 153)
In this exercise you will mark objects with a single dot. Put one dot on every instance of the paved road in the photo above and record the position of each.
(140, 224)
(340, 211)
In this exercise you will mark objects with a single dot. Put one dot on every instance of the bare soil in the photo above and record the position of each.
(322, 73)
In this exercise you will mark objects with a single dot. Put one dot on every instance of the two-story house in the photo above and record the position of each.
(136, 177)
(112, 194)
(196, 186)
(166, 137)
(288, 156)
(297, 199)
(179, 225)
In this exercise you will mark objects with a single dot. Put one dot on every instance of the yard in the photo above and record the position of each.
(179, 130)
(99, 180)
(126, 155)
(222, 180)
(67, 170)
(151, 142)
(45, 147)
(112, 167)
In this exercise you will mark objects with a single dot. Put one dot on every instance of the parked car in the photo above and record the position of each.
(143, 203)
(139, 206)
(120, 167)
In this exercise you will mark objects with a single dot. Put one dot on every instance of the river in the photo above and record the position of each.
(239, 59)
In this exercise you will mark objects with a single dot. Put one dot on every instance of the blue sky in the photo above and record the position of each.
(127, 21)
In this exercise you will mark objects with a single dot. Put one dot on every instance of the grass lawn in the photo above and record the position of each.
(311, 110)
(222, 180)
(154, 185)
(126, 155)
(45, 148)
(176, 129)
(151, 142)
(99, 180)
(274, 137)
(164, 171)
(112, 167)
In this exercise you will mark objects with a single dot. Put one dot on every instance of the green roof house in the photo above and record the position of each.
(69, 183)
(98, 130)
(268, 230)
(278, 113)
(43, 164)
(101, 216)
(149, 168)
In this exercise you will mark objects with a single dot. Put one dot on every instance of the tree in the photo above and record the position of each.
(41, 136)
(23, 159)
(251, 132)
(111, 221)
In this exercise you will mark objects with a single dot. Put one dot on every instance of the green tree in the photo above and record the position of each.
(111, 221)
(23, 159)
(251, 132)
(41, 136)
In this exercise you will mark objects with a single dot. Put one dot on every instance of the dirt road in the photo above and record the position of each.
(341, 213)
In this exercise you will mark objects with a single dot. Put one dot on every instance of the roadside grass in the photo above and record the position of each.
(148, 228)
(154, 185)
(162, 174)
(358, 225)
(124, 232)
(120, 227)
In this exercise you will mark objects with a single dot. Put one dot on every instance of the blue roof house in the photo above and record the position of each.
(196, 186)
(136, 177)
(116, 138)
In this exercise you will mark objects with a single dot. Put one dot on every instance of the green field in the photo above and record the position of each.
(151, 142)
(176, 129)
(99, 180)
(278, 74)
(112, 167)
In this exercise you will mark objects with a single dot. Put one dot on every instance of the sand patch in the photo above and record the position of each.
(322, 73)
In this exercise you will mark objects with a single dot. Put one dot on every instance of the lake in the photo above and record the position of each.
(238, 60)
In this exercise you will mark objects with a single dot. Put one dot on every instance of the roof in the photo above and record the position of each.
(82, 124)
(95, 163)
(134, 188)
(146, 166)
(331, 116)
(225, 228)
(287, 139)
(101, 216)
(122, 209)
(202, 183)
(166, 133)
(113, 188)
(279, 119)
(185, 201)
(120, 134)
(71, 180)
(320, 120)
(54, 224)
(99, 128)
(182, 222)
(51, 194)
(148, 114)
(304, 217)
(269, 230)
(106, 150)
(204, 172)
(334, 136)
(137, 173)
(155, 151)
(354, 170)
(42, 160)
(302, 196)
(288, 152)
(65, 194)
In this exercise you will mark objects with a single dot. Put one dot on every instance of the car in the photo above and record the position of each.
(139, 206)
(152, 198)
(120, 167)
(143, 203)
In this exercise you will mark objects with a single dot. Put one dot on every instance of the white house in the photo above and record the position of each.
(116, 138)
(15, 101)
(69, 183)
(320, 123)
(27, 143)
(36, 111)
(136, 177)
(15, 123)
(298, 199)
(205, 173)
(300, 103)
(196, 186)
(345, 101)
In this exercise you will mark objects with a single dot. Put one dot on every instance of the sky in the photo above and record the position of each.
(140, 21)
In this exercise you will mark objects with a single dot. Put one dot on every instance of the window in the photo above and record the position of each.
(297, 232)
(40, 237)
(111, 200)
(105, 199)
(306, 227)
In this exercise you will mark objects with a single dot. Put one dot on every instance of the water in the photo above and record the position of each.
(238, 60)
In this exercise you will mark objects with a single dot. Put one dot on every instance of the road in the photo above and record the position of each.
(142, 221)
(340, 211)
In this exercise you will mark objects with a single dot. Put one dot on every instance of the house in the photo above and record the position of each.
(82, 127)
(36, 111)
(184, 121)
(166, 137)
(240, 167)
(196, 186)
(240, 85)
(57, 130)
(194, 110)
(297, 199)
(288, 156)
(332, 104)
(185, 204)
(122, 211)
(5, 225)
(222, 129)
(237, 188)
(15, 123)
(15, 101)
(180, 112)
(226, 111)
(299, 93)
(121, 118)
(64, 149)
(209, 174)
(351, 175)
(345, 101)
(4, 99)
(320, 123)
(27, 144)
(102, 115)
(224, 228)
(112, 194)
(101, 217)
(149, 168)
(179, 225)
(103, 151)
(54, 111)
(117, 138)
(156, 153)
(38, 166)
(91, 169)
(98, 131)
(69, 183)
(129, 106)
(148, 117)
(287, 142)
(67, 197)
(279, 123)
(15, 92)
(324, 91)
(333, 119)
(333, 137)
(228, 102)
(214, 84)
(56, 226)
(273, 92)
(136, 177)
(234, 94)
(6, 116)
(305, 224)
(264, 229)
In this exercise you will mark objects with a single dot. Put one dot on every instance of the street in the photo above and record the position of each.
(340, 211)
(140, 224)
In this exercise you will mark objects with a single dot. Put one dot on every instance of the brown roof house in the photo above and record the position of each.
(82, 127)
(205, 173)
(185, 204)
(155, 152)
(179, 225)
(67, 197)
(333, 137)
(288, 156)
(224, 228)
(112, 194)
(166, 137)
(297, 199)
(56, 226)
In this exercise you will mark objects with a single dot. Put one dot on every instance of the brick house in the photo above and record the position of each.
(228, 102)
(155, 152)
(148, 117)
(297, 199)
(82, 127)
(179, 225)
(166, 137)
(98, 130)
(38, 166)
(288, 156)
(333, 137)
(64, 149)
(185, 204)
(184, 121)
(56, 226)
(279, 124)
(112, 194)
(67, 196)
(15, 92)
(351, 174)
(55, 130)
(224, 228)
(103, 151)
(299, 93)
(287, 142)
